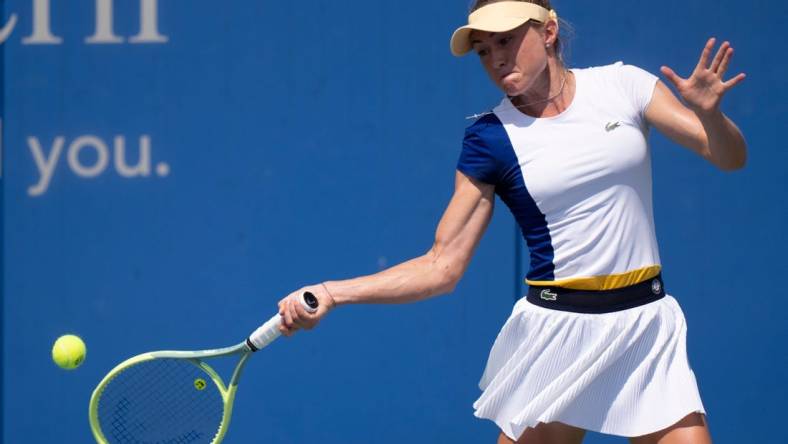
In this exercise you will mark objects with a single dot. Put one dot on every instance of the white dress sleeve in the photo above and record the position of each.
(638, 87)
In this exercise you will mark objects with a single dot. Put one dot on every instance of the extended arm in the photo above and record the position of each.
(701, 125)
(436, 272)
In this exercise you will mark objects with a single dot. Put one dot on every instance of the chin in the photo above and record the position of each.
(513, 88)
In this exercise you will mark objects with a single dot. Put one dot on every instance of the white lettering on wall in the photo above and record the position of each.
(8, 28)
(102, 153)
(149, 24)
(143, 164)
(42, 34)
(104, 24)
(46, 164)
(104, 32)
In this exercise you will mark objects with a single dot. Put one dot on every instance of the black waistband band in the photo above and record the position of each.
(597, 301)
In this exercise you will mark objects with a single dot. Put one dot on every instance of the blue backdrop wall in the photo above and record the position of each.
(171, 168)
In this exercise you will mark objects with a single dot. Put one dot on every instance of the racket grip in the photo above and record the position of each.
(269, 331)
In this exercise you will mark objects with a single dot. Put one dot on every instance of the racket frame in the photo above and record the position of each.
(227, 392)
(259, 339)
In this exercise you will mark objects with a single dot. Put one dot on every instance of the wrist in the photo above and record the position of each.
(708, 115)
(330, 295)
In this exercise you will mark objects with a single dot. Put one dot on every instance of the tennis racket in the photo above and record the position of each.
(174, 397)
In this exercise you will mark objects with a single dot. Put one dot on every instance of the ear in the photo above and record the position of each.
(550, 32)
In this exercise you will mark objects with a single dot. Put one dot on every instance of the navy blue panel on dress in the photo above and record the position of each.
(488, 155)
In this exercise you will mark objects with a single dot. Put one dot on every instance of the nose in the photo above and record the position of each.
(498, 58)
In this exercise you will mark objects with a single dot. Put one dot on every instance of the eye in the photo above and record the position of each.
(481, 52)
(504, 40)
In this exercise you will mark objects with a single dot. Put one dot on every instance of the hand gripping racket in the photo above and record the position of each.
(174, 397)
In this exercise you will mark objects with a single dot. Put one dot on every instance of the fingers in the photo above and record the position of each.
(294, 316)
(718, 58)
(298, 317)
(283, 328)
(287, 326)
(671, 75)
(734, 81)
(286, 331)
(726, 59)
(719, 65)
(723, 67)
(704, 56)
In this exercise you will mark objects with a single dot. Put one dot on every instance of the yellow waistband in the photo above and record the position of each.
(609, 282)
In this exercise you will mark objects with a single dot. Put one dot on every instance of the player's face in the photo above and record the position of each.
(513, 59)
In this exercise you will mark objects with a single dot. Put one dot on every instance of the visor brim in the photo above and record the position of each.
(461, 42)
(497, 17)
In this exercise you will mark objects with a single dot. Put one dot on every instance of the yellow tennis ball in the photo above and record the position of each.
(68, 352)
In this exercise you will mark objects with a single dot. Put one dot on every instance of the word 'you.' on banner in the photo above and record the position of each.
(85, 156)
(99, 152)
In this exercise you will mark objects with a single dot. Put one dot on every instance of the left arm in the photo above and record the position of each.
(700, 125)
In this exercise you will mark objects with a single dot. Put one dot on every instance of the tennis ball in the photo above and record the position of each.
(68, 352)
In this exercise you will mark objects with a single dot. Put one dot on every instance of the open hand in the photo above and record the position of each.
(703, 90)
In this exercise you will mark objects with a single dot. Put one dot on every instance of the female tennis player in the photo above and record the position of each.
(596, 344)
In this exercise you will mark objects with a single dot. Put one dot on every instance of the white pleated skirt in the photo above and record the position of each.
(624, 373)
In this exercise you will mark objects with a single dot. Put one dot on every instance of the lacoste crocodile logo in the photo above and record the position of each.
(611, 126)
(547, 295)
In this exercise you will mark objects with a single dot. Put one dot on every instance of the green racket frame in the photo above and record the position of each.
(260, 338)
(195, 357)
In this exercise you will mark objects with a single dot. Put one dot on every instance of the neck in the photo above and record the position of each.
(551, 93)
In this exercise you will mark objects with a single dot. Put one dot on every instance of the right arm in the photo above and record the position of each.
(436, 272)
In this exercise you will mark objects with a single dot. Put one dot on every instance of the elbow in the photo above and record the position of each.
(729, 159)
(734, 164)
(450, 275)
(732, 167)
(446, 268)
(448, 284)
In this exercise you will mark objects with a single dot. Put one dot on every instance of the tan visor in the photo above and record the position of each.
(497, 17)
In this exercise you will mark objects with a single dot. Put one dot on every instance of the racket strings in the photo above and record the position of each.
(161, 401)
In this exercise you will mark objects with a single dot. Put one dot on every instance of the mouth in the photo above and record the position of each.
(507, 75)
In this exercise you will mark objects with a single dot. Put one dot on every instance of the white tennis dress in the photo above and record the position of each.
(579, 186)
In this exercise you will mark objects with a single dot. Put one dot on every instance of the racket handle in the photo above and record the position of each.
(270, 330)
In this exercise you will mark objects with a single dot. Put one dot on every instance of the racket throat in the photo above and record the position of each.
(251, 346)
